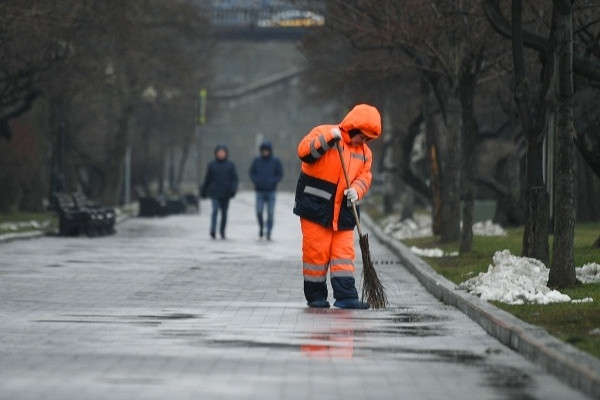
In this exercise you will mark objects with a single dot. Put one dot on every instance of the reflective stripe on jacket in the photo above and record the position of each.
(320, 189)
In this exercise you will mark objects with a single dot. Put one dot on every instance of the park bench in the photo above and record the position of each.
(158, 205)
(77, 215)
(191, 203)
(150, 206)
(71, 220)
(102, 218)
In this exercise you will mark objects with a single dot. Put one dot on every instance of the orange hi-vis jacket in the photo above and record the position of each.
(320, 189)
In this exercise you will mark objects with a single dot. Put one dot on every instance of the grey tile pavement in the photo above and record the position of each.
(161, 311)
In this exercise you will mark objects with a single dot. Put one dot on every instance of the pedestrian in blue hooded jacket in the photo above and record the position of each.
(265, 172)
(220, 184)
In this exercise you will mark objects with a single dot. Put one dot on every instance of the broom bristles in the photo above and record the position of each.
(372, 288)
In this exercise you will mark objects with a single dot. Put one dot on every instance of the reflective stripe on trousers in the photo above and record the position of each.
(324, 248)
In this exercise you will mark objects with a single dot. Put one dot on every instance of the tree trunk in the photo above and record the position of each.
(469, 137)
(433, 158)
(450, 230)
(115, 158)
(402, 156)
(183, 161)
(562, 269)
(535, 237)
(162, 160)
(537, 208)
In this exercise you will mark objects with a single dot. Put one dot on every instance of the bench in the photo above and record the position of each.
(71, 220)
(150, 206)
(77, 215)
(159, 205)
(191, 203)
(102, 218)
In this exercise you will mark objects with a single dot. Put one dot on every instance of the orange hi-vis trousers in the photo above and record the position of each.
(325, 249)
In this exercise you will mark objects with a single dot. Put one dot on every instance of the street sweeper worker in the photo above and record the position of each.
(323, 203)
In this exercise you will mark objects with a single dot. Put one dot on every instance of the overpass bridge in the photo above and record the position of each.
(263, 19)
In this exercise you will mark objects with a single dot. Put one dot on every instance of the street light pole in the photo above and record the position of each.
(200, 121)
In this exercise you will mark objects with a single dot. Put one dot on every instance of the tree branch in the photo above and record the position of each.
(581, 65)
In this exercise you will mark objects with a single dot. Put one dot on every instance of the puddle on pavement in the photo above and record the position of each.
(345, 346)
(170, 316)
(416, 317)
(351, 333)
(510, 381)
(229, 343)
(133, 381)
(393, 330)
(146, 320)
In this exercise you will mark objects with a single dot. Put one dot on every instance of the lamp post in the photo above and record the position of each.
(200, 121)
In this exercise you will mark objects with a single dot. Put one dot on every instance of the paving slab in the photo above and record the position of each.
(161, 310)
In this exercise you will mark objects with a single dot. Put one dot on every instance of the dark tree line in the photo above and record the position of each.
(99, 78)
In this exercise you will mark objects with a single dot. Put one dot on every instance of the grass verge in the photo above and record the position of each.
(27, 222)
(575, 323)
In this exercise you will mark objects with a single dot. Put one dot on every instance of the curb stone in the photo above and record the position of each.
(571, 365)
(9, 237)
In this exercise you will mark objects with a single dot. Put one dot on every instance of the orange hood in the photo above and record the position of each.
(364, 117)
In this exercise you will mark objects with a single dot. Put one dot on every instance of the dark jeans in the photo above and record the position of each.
(218, 204)
(268, 198)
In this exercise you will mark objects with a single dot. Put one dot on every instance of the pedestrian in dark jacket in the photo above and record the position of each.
(220, 184)
(265, 172)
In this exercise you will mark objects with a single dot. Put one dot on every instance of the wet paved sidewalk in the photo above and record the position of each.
(161, 311)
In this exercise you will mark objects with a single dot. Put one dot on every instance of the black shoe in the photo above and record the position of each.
(352, 304)
(212, 235)
(318, 304)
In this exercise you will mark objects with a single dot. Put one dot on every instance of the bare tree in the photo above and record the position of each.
(585, 64)
(131, 55)
(450, 50)
(562, 269)
(34, 37)
(535, 238)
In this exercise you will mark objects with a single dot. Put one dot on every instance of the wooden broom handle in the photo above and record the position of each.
(341, 153)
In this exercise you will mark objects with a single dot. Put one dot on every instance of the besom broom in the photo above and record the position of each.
(372, 289)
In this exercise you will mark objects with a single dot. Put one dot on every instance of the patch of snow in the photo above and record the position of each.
(584, 300)
(13, 226)
(589, 273)
(435, 252)
(420, 226)
(515, 280)
(510, 279)
(488, 228)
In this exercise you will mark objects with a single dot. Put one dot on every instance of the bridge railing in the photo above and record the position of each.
(263, 17)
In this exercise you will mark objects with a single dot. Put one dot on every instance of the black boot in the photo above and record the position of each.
(260, 225)
(316, 294)
(345, 293)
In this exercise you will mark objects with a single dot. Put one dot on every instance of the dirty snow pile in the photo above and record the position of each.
(14, 226)
(518, 280)
(420, 226)
(589, 273)
(488, 228)
(435, 252)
